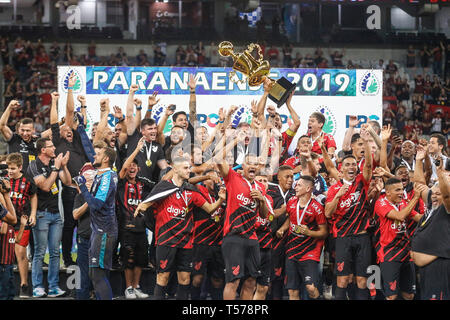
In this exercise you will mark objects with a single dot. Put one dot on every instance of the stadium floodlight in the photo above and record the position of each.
(5, 1)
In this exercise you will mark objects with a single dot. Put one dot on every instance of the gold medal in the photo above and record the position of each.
(148, 163)
(216, 218)
(271, 217)
(297, 229)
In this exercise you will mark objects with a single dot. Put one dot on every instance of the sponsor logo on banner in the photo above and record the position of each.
(330, 120)
(77, 88)
(362, 119)
(369, 85)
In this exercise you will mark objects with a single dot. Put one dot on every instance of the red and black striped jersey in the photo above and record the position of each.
(352, 213)
(300, 247)
(263, 230)
(128, 197)
(394, 238)
(174, 219)
(7, 245)
(242, 210)
(208, 228)
(279, 199)
(22, 189)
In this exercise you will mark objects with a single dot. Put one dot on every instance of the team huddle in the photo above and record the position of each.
(231, 212)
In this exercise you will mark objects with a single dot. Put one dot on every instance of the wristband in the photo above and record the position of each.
(192, 91)
(220, 121)
(69, 88)
(138, 107)
(83, 107)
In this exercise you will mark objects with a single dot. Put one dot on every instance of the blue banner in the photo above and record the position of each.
(214, 81)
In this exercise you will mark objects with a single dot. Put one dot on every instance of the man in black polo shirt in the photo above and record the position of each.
(46, 171)
(22, 141)
(65, 138)
(430, 246)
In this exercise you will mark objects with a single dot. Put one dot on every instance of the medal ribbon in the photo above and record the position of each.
(149, 150)
(300, 219)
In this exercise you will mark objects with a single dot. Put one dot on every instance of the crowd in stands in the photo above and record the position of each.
(29, 72)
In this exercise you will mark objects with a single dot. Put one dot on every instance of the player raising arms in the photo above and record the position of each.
(347, 203)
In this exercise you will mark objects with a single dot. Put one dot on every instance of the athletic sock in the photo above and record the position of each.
(216, 293)
(277, 289)
(182, 292)
(351, 291)
(160, 292)
(341, 293)
(195, 293)
(361, 294)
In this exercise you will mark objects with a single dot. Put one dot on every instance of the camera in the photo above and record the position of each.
(3, 170)
(172, 107)
(3, 185)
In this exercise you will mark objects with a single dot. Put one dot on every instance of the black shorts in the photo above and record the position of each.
(208, 259)
(435, 280)
(330, 247)
(298, 272)
(242, 258)
(170, 259)
(134, 249)
(278, 262)
(353, 255)
(101, 250)
(266, 268)
(397, 275)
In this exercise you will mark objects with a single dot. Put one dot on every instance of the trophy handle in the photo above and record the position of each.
(250, 48)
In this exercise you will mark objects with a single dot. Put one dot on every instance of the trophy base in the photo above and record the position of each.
(281, 90)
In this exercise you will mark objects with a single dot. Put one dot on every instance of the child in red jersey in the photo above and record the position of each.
(24, 199)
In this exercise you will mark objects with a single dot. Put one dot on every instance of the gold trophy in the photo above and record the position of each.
(256, 70)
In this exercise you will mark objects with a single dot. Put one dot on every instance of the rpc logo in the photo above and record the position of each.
(362, 119)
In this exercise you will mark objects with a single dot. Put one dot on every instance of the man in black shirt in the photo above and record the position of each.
(280, 193)
(150, 157)
(430, 246)
(180, 119)
(82, 216)
(131, 190)
(22, 141)
(65, 138)
(46, 171)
